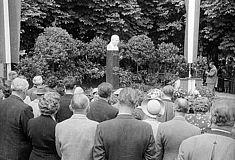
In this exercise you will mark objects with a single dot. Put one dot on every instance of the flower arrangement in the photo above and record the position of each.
(179, 93)
(206, 92)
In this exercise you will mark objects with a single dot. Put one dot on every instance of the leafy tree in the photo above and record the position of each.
(218, 27)
(57, 48)
(104, 17)
(35, 16)
(166, 18)
(141, 50)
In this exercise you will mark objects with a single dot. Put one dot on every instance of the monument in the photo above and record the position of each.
(112, 62)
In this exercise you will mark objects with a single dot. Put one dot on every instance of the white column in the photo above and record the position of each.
(7, 35)
(191, 29)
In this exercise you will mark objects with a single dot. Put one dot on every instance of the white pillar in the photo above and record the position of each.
(191, 29)
(7, 36)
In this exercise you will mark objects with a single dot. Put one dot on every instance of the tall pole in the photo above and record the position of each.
(191, 37)
(7, 36)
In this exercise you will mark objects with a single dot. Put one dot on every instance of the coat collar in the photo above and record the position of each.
(181, 118)
(125, 116)
(221, 130)
(16, 97)
(78, 116)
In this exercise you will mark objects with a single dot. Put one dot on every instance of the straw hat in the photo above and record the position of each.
(41, 90)
(153, 107)
(117, 91)
(37, 80)
(78, 90)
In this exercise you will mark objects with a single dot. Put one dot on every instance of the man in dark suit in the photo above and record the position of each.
(64, 112)
(166, 98)
(171, 133)
(124, 138)
(100, 110)
(218, 143)
(14, 116)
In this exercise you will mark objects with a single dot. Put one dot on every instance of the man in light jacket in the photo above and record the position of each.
(75, 136)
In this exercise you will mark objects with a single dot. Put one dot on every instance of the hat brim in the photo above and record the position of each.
(144, 105)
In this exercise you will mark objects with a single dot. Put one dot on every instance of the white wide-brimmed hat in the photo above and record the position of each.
(117, 92)
(153, 107)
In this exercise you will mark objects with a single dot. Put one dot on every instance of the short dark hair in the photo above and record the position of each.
(52, 81)
(69, 82)
(105, 90)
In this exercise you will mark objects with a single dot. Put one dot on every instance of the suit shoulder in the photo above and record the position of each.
(135, 122)
(193, 127)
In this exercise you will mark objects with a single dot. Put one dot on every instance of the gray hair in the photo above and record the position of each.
(222, 114)
(128, 96)
(79, 102)
(49, 103)
(19, 84)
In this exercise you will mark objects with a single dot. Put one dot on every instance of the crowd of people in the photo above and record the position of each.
(226, 75)
(59, 120)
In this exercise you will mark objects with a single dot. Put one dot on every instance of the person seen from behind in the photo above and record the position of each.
(64, 111)
(100, 110)
(171, 133)
(75, 136)
(41, 130)
(124, 137)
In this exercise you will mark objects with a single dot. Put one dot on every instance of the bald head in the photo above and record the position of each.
(181, 105)
(79, 102)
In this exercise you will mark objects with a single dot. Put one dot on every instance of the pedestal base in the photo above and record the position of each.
(190, 84)
(112, 68)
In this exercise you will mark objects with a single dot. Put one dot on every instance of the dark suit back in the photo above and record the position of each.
(41, 131)
(101, 111)
(64, 112)
(124, 138)
(14, 116)
(169, 113)
(170, 135)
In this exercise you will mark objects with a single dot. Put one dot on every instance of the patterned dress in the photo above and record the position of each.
(203, 121)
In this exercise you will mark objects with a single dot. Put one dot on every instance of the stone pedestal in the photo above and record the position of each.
(190, 84)
(112, 68)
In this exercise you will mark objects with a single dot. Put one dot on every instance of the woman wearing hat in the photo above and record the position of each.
(152, 108)
(41, 90)
(41, 130)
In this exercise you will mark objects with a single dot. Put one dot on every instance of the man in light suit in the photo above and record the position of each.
(171, 133)
(75, 136)
(211, 80)
(124, 138)
(217, 143)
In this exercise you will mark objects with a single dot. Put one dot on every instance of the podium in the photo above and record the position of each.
(112, 68)
(190, 84)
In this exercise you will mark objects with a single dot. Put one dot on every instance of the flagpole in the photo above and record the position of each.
(191, 37)
(7, 36)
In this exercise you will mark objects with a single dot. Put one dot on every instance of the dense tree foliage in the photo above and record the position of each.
(218, 27)
(60, 34)
(161, 20)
